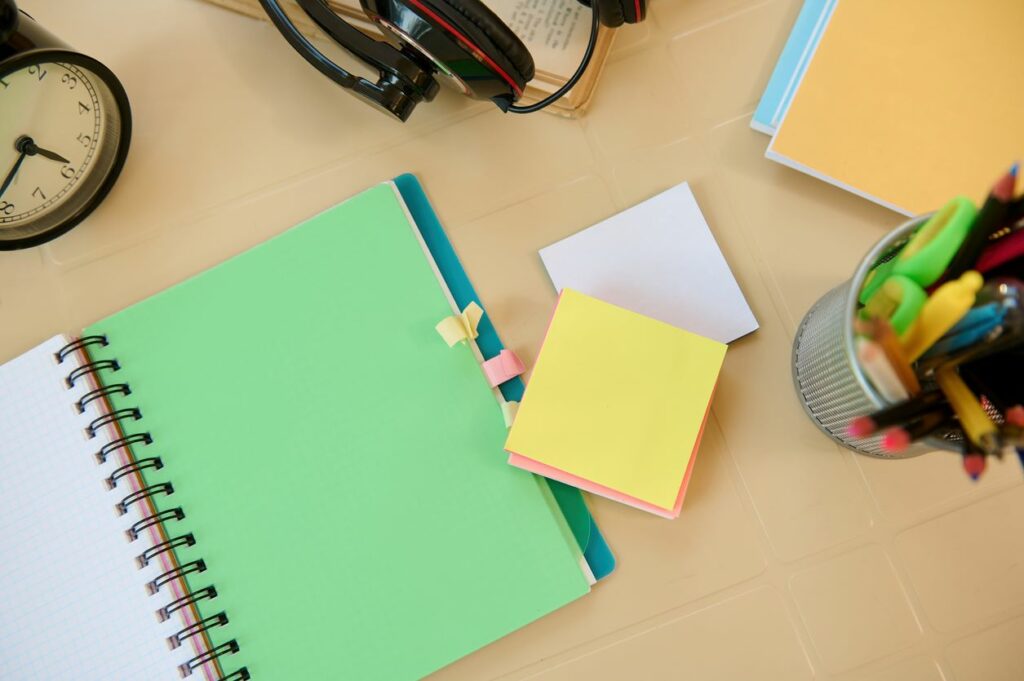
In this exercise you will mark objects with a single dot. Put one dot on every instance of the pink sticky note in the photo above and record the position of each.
(504, 367)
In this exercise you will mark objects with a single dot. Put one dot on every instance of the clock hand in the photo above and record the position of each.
(12, 173)
(27, 145)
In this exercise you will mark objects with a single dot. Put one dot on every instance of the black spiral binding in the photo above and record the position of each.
(101, 395)
(195, 566)
(91, 368)
(218, 620)
(154, 462)
(111, 417)
(122, 442)
(135, 531)
(79, 344)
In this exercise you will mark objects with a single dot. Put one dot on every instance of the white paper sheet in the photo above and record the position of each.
(660, 259)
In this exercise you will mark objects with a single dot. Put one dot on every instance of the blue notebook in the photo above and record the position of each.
(789, 70)
(591, 542)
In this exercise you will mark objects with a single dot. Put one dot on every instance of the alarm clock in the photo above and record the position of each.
(64, 132)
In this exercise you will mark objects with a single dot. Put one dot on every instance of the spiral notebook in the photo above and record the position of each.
(299, 479)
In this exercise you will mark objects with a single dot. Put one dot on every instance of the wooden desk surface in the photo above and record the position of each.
(792, 559)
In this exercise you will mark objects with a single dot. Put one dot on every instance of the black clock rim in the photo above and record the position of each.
(48, 55)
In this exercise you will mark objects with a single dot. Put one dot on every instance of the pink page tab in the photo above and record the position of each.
(504, 367)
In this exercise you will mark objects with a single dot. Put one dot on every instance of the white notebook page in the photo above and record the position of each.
(72, 600)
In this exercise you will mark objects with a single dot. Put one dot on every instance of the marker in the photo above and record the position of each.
(991, 217)
(946, 307)
(976, 423)
(896, 414)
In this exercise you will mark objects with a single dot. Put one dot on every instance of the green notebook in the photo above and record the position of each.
(340, 468)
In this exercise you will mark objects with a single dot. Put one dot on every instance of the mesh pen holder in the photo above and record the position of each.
(829, 381)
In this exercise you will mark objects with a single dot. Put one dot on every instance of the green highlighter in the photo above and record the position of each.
(929, 252)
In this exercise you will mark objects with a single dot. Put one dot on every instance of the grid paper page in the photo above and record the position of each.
(74, 604)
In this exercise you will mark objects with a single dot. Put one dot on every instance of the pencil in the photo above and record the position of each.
(881, 373)
(881, 331)
(895, 414)
(898, 438)
(990, 218)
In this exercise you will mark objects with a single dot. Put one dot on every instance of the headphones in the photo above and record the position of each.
(462, 41)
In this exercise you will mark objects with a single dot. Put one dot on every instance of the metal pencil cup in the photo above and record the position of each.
(829, 381)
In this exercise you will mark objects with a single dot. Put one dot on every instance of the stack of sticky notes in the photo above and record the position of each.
(904, 103)
(616, 404)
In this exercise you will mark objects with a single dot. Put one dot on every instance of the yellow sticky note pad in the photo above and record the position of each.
(616, 404)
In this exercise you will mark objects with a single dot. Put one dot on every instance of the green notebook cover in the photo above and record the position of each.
(340, 467)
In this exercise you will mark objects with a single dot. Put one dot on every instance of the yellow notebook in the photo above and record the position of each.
(616, 404)
(909, 103)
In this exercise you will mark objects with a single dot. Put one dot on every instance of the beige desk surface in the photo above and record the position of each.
(792, 559)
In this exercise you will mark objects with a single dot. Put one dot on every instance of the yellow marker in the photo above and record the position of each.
(973, 418)
(947, 305)
(462, 326)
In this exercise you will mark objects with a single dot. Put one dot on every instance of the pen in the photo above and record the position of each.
(974, 461)
(998, 253)
(946, 307)
(972, 416)
(895, 414)
(972, 328)
(990, 218)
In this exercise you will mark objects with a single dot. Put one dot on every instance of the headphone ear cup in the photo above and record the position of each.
(467, 41)
(615, 13)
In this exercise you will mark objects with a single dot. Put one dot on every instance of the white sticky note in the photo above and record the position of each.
(660, 259)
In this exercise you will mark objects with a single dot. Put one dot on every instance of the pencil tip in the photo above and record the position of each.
(1003, 189)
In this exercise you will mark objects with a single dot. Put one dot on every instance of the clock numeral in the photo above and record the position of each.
(6, 208)
(38, 71)
(84, 139)
(67, 172)
(39, 191)
(82, 108)
(69, 80)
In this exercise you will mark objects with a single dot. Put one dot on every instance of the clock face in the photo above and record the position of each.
(54, 123)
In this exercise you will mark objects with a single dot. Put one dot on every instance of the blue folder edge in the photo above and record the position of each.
(789, 70)
(591, 542)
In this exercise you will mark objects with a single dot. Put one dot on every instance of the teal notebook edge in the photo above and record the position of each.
(570, 500)
(789, 70)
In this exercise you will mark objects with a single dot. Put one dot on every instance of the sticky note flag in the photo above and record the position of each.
(504, 367)
(462, 326)
(616, 404)
(508, 411)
